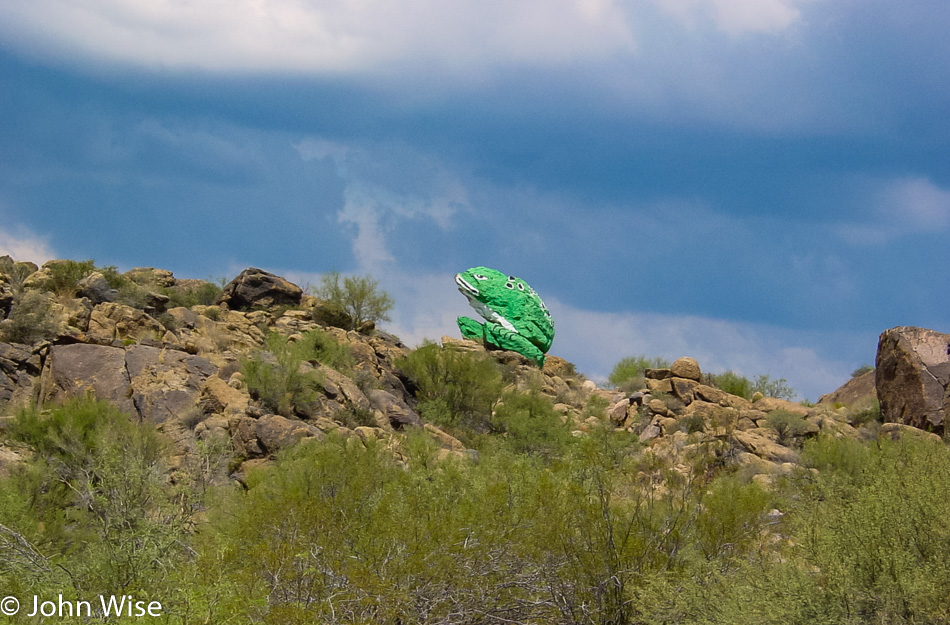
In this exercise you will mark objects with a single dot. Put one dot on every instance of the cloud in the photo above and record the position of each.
(736, 16)
(306, 37)
(22, 245)
(303, 36)
(596, 341)
(900, 207)
(384, 184)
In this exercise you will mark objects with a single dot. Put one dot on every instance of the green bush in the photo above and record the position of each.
(732, 383)
(870, 414)
(99, 515)
(873, 527)
(357, 296)
(203, 294)
(862, 370)
(64, 275)
(628, 374)
(454, 387)
(530, 425)
(30, 319)
(732, 517)
(341, 534)
(275, 376)
(787, 424)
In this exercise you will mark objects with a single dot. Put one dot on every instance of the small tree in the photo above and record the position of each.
(357, 296)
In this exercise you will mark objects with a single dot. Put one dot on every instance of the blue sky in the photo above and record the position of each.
(763, 185)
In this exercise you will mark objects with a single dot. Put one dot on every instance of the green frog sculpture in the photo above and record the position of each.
(515, 317)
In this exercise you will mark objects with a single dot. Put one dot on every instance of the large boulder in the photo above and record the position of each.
(913, 376)
(256, 288)
(81, 369)
(96, 288)
(146, 382)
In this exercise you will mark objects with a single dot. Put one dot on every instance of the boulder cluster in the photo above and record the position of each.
(178, 365)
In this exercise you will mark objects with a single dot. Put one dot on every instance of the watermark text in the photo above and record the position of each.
(99, 606)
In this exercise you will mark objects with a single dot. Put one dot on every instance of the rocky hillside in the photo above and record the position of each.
(143, 341)
(249, 453)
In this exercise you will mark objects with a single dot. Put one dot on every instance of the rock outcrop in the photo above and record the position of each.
(913, 377)
(859, 391)
(256, 288)
(183, 370)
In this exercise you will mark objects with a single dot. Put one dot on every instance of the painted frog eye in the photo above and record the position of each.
(479, 276)
(520, 287)
(509, 285)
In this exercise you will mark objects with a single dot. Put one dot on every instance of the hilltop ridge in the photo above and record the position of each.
(175, 352)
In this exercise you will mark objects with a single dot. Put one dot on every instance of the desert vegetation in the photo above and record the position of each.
(257, 464)
(589, 531)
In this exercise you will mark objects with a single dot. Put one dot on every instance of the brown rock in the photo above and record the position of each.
(768, 404)
(219, 397)
(899, 430)
(553, 365)
(686, 368)
(111, 322)
(684, 389)
(657, 374)
(660, 385)
(913, 377)
(275, 432)
(80, 369)
(396, 411)
(151, 277)
(256, 288)
(96, 288)
(758, 442)
(19, 368)
(166, 384)
(856, 391)
(446, 441)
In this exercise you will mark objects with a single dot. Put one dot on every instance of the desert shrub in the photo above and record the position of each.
(275, 377)
(691, 424)
(862, 370)
(357, 296)
(352, 416)
(866, 412)
(732, 383)
(318, 346)
(115, 279)
(30, 319)
(872, 523)
(628, 374)
(339, 533)
(530, 425)
(732, 516)
(787, 424)
(203, 294)
(596, 406)
(101, 515)
(454, 387)
(214, 313)
(64, 275)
